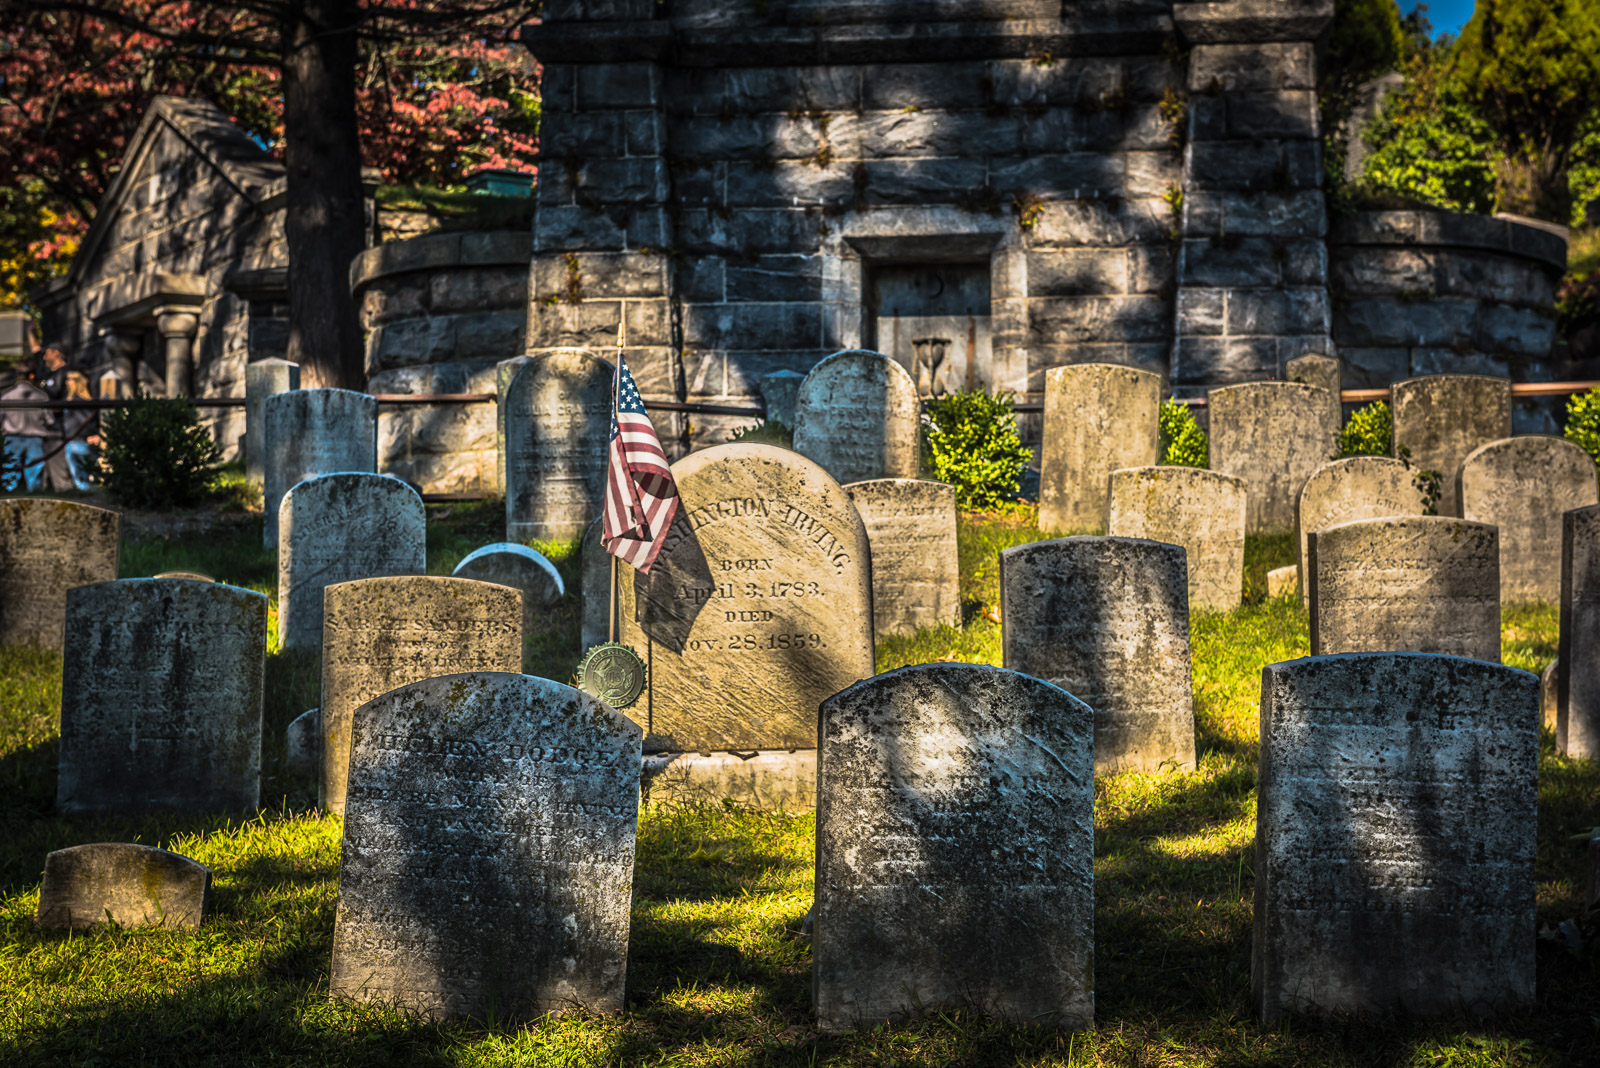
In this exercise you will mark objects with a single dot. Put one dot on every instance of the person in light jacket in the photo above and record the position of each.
(25, 430)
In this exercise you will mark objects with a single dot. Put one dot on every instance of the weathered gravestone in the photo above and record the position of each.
(1273, 435)
(302, 745)
(337, 528)
(488, 850)
(1357, 487)
(1418, 584)
(161, 697)
(857, 416)
(1524, 485)
(1098, 417)
(1578, 677)
(1284, 581)
(780, 391)
(312, 432)
(911, 528)
(504, 372)
(1107, 620)
(1439, 419)
(1201, 510)
(262, 379)
(1395, 837)
(595, 585)
(558, 427)
(46, 548)
(955, 849)
(1323, 372)
(130, 885)
(758, 608)
(380, 633)
(509, 564)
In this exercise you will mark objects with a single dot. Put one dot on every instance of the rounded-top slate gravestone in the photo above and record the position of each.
(131, 885)
(509, 564)
(1577, 667)
(46, 548)
(955, 849)
(557, 431)
(1356, 487)
(911, 528)
(1439, 419)
(312, 432)
(337, 528)
(1524, 485)
(1201, 510)
(758, 608)
(161, 697)
(1098, 418)
(1395, 837)
(857, 415)
(1273, 435)
(487, 865)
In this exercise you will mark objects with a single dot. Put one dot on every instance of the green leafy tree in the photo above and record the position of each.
(1428, 144)
(972, 443)
(1182, 443)
(1368, 432)
(154, 453)
(1366, 39)
(1583, 422)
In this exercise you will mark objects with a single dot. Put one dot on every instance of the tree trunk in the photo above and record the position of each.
(324, 224)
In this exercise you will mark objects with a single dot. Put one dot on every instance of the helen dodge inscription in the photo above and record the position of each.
(488, 850)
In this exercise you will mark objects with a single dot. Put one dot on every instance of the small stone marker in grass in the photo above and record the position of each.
(1395, 835)
(508, 564)
(1201, 510)
(488, 854)
(130, 885)
(1523, 485)
(911, 528)
(1578, 677)
(1273, 435)
(1107, 620)
(1422, 584)
(1283, 581)
(161, 697)
(955, 849)
(381, 633)
(46, 548)
(1356, 487)
(310, 432)
(1440, 419)
(857, 416)
(1098, 418)
(557, 430)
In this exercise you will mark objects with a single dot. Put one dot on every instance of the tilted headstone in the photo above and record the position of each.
(161, 697)
(130, 885)
(1357, 487)
(1201, 510)
(1439, 419)
(1395, 833)
(1098, 418)
(1578, 677)
(1107, 620)
(310, 432)
(779, 393)
(955, 849)
(1415, 584)
(46, 548)
(488, 853)
(521, 568)
(558, 427)
(857, 416)
(1273, 435)
(1524, 485)
(302, 745)
(758, 607)
(262, 379)
(1323, 372)
(595, 583)
(380, 633)
(911, 528)
(504, 372)
(337, 528)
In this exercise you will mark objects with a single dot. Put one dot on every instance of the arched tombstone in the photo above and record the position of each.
(857, 415)
(911, 528)
(487, 864)
(1273, 435)
(1524, 485)
(510, 564)
(1356, 487)
(47, 547)
(339, 527)
(128, 884)
(955, 849)
(1395, 834)
(1201, 510)
(310, 432)
(557, 431)
(1439, 419)
(1098, 418)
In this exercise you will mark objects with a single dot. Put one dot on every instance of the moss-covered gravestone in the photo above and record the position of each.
(124, 883)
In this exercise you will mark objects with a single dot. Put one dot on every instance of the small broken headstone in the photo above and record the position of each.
(127, 884)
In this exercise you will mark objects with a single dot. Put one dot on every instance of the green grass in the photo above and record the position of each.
(718, 973)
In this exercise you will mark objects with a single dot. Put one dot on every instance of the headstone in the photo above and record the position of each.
(192, 576)
(1524, 485)
(337, 528)
(262, 379)
(1098, 418)
(1549, 695)
(1107, 620)
(857, 416)
(1201, 510)
(779, 393)
(302, 743)
(911, 528)
(1578, 678)
(955, 849)
(1395, 834)
(161, 697)
(46, 548)
(595, 581)
(1283, 581)
(1439, 419)
(1273, 435)
(504, 372)
(1315, 370)
(558, 427)
(311, 432)
(521, 568)
(1415, 584)
(127, 884)
(1357, 487)
(487, 869)
(380, 633)
(758, 608)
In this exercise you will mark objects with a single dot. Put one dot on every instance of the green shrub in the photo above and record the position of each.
(154, 453)
(1583, 422)
(972, 443)
(1370, 432)
(1183, 443)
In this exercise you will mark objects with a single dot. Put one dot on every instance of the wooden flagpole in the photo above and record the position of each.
(616, 380)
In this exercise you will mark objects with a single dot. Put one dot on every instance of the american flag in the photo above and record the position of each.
(641, 498)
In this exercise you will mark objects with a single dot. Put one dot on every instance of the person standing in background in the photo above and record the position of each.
(25, 431)
(78, 429)
(52, 378)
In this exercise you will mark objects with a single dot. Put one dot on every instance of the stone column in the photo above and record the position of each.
(177, 338)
